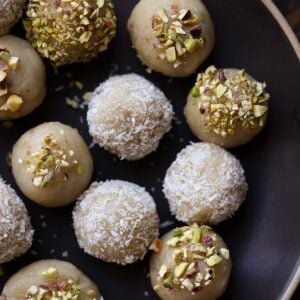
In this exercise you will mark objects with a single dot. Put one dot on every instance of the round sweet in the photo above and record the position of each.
(227, 107)
(205, 184)
(10, 12)
(67, 32)
(52, 164)
(44, 278)
(116, 221)
(15, 227)
(22, 78)
(193, 264)
(172, 37)
(128, 116)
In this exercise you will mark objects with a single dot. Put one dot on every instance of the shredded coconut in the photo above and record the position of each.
(116, 221)
(128, 116)
(205, 184)
(15, 228)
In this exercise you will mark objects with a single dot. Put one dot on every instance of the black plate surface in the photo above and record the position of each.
(264, 235)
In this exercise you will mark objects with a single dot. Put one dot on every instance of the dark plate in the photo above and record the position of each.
(264, 234)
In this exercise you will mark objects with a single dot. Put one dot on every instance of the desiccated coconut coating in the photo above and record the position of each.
(70, 31)
(15, 228)
(10, 13)
(128, 116)
(116, 221)
(205, 184)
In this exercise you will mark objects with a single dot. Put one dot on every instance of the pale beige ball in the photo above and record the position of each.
(52, 164)
(116, 221)
(47, 273)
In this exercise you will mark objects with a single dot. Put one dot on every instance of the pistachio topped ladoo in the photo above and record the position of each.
(171, 37)
(49, 280)
(227, 106)
(52, 164)
(70, 31)
(178, 33)
(193, 263)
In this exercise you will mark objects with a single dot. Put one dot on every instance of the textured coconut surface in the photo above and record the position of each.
(263, 236)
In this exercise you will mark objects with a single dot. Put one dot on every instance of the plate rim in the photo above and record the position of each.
(294, 280)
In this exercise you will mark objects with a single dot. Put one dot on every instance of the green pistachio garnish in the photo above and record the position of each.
(194, 258)
(181, 269)
(178, 34)
(227, 102)
(168, 281)
(7, 61)
(51, 160)
(213, 260)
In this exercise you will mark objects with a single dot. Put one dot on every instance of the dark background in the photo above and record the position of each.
(263, 234)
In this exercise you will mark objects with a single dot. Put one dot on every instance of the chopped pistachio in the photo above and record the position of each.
(163, 271)
(13, 103)
(227, 101)
(51, 273)
(180, 270)
(225, 253)
(173, 242)
(197, 235)
(191, 45)
(178, 34)
(188, 284)
(259, 110)
(33, 290)
(171, 54)
(168, 281)
(213, 260)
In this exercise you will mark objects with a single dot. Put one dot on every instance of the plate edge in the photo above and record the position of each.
(280, 19)
(286, 28)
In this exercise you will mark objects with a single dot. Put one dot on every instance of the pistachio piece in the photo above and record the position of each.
(213, 260)
(171, 54)
(191, 45)
(180, 270)
(13, 103)
(51, 273)
(14, 62)
(195, 92)
(173, 242)
(168, 281)
(188, 284)
(225, 253)
(259, 110)
(163, 15)
(163, 271)
(197, 235)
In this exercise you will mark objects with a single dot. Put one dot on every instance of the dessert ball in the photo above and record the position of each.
(227, 107)
(67, 32)
(205, 184)
(193, 263)
(10, 12)
(128, 116)
(15, 228)
(22, 78)
(48, 279)
(116, 221)
(172, 37)
(52, 164)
